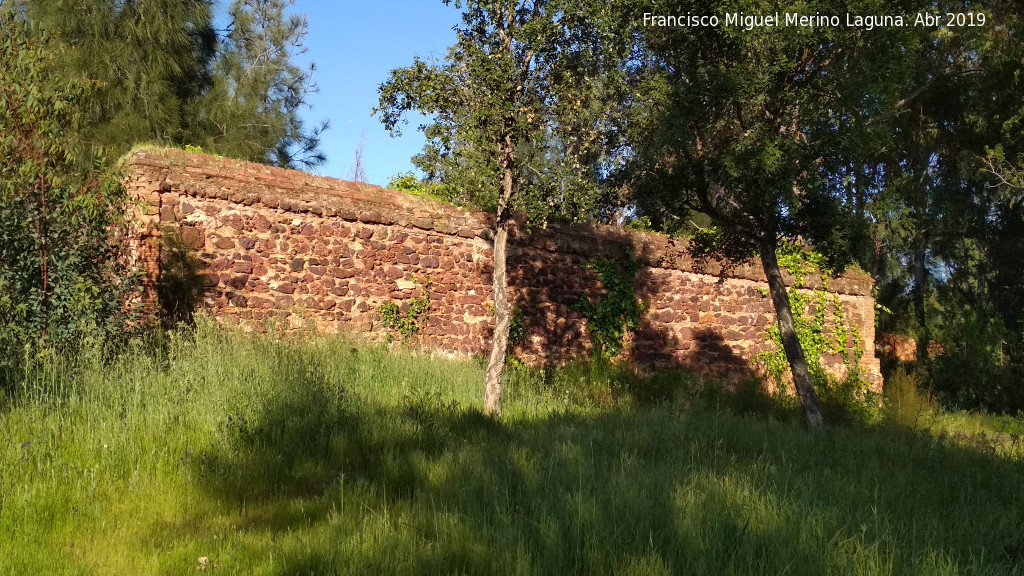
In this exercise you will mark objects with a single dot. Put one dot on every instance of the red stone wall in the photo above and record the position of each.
(285, 247)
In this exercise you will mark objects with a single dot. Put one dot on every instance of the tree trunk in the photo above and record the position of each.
(920, 307)
(790, 342)
(502, 310)
(499, 342)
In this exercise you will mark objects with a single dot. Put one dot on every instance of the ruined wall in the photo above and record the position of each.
(286, 247)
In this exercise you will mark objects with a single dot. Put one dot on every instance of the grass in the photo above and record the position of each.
(321, 457)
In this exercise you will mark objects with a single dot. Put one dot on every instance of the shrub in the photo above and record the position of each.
(980, 366)
(904, 403)
(62, 275)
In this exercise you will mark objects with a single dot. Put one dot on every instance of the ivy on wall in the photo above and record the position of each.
(408, 323)
(618, 311)
(820, 321)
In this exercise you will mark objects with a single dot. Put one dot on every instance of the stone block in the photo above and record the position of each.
(193, 237)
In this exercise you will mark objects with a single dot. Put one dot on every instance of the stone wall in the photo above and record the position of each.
(285, 247)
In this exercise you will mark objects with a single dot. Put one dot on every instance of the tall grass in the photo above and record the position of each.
(318, 456)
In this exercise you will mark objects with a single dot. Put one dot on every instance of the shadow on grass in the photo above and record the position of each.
(340, 483)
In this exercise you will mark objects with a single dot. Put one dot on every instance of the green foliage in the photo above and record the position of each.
(718, 242)
(252, 110)
(770, 131)
(943, 194)
(519, 117)
(146, 65)
(823, 330)
(906, 404)
(517, 330)
(641, 224)
(63, 280)
(849, 401)
(161, 72)
(746, 132)
(407, 323)
(618, 311)
(518, 109)
(980, 364)
(407, 182)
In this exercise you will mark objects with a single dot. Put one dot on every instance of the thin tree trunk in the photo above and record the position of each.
(920, 308)
(502, 310)
(790, 343)
(499, 343)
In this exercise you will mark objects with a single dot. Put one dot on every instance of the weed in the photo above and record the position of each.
(905, 403)
(407, 323)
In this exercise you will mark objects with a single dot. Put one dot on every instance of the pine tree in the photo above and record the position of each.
(157, 71)
(145, 64)
(258, 90)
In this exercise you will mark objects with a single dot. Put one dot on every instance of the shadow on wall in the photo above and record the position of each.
(547, 287)
(183, 281)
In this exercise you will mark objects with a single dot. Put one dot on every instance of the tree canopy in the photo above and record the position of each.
(160, 72)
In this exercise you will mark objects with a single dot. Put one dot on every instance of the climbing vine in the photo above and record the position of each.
(407, 324)
(618, 311)
(812, 312)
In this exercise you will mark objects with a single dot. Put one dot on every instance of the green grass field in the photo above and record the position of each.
(322, 457)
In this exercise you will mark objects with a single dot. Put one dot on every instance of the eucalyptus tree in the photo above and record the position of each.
(63, 280)
(518, 121)
(747, 124)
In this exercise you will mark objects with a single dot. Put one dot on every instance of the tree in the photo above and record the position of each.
(62, 273)
(258, 90)
(159, 72)
(950, 256)
(983, 341)
(743, 125)
(146, 65)
(516, 122)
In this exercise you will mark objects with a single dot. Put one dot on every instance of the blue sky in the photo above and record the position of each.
(355, 44)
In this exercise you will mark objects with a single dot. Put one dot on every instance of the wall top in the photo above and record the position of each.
(207, 176)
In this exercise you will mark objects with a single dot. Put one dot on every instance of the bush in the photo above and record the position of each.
(905, 405)
(980, 364)
(62, 275)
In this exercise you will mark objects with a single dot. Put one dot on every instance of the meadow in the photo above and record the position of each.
(214, 450)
